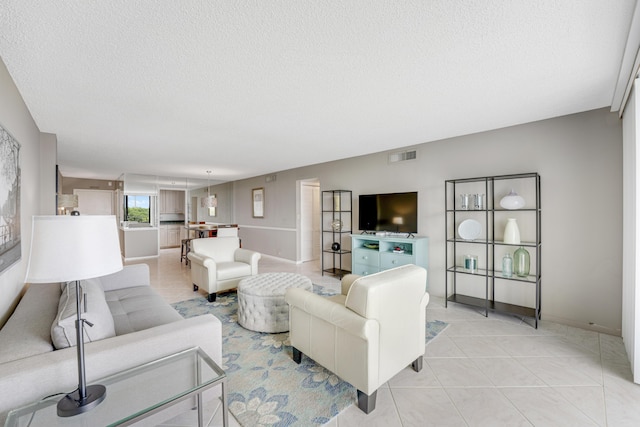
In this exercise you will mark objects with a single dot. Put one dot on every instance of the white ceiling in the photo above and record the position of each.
(245, 88)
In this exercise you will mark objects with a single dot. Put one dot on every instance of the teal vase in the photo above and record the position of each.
(521, 262)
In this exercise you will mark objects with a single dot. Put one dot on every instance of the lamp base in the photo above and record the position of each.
(71, 404)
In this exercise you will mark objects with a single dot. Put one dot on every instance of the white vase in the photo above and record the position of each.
(512, 232)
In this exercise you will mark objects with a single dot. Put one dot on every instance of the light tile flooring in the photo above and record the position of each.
(495, 371)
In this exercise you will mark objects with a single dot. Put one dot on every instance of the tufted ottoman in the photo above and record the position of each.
(261, 304)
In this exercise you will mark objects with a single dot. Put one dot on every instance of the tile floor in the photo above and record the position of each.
(495, 371)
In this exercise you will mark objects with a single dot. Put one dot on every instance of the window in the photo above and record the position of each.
(137, 208)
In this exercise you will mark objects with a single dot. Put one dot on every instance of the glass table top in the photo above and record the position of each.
(132, 394)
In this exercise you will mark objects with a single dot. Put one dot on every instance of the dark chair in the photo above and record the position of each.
(184, 250)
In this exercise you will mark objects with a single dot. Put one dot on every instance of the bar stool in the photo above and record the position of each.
(184, 250)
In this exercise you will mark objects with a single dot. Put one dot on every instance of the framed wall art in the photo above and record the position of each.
(257, 198)
(10, 247)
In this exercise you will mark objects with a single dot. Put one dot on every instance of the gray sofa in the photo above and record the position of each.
(145, 328)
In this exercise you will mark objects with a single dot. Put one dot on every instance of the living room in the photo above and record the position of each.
(579, 157)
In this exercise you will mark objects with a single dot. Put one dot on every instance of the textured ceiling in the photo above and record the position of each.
(245, 88)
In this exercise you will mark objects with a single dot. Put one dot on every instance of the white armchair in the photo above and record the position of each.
(218, 264)
(367, 334)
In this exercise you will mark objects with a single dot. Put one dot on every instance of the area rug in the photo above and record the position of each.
(265, 386)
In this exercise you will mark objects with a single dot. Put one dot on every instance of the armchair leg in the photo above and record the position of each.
(195, 287)
(211, 297)
(297, 355)
(417, 364)
(367, 403)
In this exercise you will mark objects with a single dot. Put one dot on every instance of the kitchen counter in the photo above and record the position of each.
(138, 242)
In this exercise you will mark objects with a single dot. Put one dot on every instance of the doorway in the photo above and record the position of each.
(309, 225)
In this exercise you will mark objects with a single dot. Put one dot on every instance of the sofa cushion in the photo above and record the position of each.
(28, 330)
(137, 308)
(63, 329)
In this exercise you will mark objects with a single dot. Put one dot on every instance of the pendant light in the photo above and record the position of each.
(209, 201)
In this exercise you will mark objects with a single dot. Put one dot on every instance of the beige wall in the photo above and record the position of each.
(579, 158)
(35, 175)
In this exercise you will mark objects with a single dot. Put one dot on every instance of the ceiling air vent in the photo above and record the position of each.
(402, 156)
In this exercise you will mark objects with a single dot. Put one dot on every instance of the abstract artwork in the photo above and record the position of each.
(10, 248)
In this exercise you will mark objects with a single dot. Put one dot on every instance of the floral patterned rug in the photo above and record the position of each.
(265, 386)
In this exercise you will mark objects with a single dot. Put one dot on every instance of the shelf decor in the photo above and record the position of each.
(512, 201)
(511, 232)
(521, 262)
(507, 265)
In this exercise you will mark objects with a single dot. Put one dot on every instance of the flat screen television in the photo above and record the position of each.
(394, 212)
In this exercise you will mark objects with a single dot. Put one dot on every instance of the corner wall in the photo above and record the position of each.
(631, 239)
(579, 158)
(17, 120)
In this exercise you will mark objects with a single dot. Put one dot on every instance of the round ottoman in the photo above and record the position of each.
(261, 304)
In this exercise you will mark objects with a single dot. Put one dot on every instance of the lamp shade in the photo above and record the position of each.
(65, 248)
(67, 200)
(209, 202)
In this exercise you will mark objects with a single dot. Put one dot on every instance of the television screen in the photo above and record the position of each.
(395, 212)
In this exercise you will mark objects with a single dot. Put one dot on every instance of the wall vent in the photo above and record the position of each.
(270, 178)
(402, 156)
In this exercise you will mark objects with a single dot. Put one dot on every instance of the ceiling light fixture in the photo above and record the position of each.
(209, 201)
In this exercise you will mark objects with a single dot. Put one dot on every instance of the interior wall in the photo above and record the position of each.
(224, 211)
(579, 158)
(16, 119)
(48, 155)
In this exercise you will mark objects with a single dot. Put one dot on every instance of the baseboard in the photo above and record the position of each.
(582, 325)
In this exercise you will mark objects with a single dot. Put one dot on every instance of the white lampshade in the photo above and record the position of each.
(512, 201)
(209, 202)
(65, 248)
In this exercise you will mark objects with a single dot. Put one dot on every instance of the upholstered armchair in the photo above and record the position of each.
(367, 334)
(218, 264)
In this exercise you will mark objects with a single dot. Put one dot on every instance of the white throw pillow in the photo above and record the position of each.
(63, 329)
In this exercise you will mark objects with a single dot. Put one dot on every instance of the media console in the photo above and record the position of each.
(371, 253)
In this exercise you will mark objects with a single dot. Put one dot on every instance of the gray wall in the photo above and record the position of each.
(579, 158)
(224, 211)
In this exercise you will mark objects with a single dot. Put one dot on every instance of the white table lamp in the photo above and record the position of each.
(74, 248)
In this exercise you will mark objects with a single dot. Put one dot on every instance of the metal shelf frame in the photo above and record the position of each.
(488, 273)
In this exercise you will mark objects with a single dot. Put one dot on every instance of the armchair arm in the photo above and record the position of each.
(249, 257)
(332, 312)
(204, 268)
(202, 259)
(347, 281)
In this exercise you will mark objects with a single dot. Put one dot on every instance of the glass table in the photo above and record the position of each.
(136, 393)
